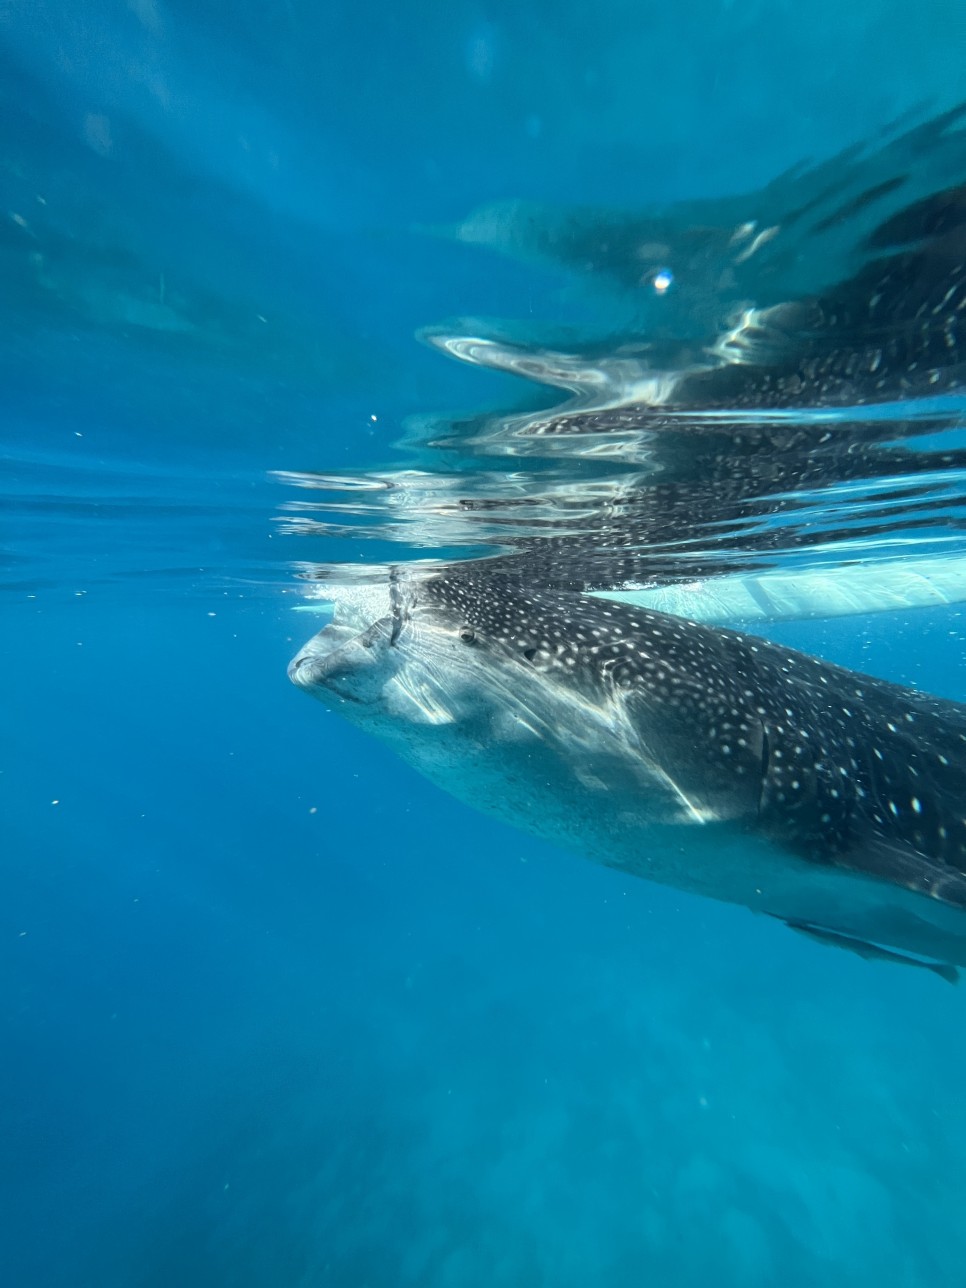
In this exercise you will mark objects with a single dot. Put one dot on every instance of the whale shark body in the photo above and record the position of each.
(699, 757)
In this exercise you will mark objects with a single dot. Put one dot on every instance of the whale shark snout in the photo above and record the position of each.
(341, 663)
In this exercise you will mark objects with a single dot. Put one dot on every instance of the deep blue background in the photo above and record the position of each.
(274, 1012)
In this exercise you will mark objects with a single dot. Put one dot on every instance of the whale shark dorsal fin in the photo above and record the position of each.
(872, 952)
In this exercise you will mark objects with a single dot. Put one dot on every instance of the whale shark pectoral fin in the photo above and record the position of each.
(872, 952)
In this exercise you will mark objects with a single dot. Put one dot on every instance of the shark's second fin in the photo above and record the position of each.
(872, 952)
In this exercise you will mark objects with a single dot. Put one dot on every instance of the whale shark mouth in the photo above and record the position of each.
(337, 659)
(366, 620)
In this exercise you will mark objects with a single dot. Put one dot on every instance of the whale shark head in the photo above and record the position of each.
(484, 686)
(394, 655)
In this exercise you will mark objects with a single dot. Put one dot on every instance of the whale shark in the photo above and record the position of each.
(767, 426)
(703, 758)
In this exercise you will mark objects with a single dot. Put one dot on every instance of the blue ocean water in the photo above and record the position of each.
(276, 1011)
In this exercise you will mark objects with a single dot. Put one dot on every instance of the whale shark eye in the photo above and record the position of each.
(530, 653)
(467, 635)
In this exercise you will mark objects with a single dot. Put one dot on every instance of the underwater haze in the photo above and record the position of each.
(276, 1012)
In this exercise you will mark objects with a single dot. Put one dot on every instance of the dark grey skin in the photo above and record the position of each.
(702, 758)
